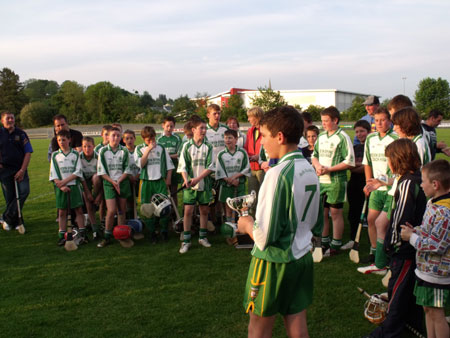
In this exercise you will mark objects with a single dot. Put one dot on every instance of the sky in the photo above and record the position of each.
(178, 47)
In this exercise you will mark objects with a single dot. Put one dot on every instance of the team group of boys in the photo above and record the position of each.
(110, 174)
(289, 208)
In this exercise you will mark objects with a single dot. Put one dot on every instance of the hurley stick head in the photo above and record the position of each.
(354, 256)
(126, 243)
(242, 204)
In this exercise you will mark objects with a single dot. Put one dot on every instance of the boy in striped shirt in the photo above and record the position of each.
(195, 166)
(333, 155)
(232, 167)
(65, 173)
(114, 168)
(156, 174)
(280, 277)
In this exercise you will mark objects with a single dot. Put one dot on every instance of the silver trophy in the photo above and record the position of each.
(242, 204)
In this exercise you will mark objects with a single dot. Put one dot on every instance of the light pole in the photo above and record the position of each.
(404, 81)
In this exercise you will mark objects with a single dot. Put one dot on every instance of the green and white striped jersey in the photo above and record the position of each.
(374, 156)
(158, 162)
(98, 147)
(63, 165)
(113, 163)
(216, 138)
(332, 150)
(288, 209)
(194, 160)
(229, 164)
(88, 167)
(423, 148)
(172, 143)
(135, 170)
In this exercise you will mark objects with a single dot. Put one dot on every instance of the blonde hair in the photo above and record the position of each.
(257, 112)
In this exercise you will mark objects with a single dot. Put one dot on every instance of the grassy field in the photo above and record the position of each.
(149, 290)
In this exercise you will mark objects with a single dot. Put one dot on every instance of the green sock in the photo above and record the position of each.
(61, 234)
(95, 227)
(373, 250)
(381, 258)
(108, 234)
(336, 244)
(326, 242)
(203, 233)
(187, 237)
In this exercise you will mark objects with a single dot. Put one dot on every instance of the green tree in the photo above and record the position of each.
(268, 99)
(433, 94)
(235, 107)
(40, 90)
(36, 114)
(126, 107)
(100, 99)
(161, 100)
(147, 100)
(70, 101)
(12, 97)
(356, 111)
(183, 104)
(314, 110)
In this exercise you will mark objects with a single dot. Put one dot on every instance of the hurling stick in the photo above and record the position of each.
(20, 228)
(317, 252)
(70, 244)
(354, 252)
(136, 236)
(385, 280)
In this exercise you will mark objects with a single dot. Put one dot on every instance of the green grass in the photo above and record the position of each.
(149, 290)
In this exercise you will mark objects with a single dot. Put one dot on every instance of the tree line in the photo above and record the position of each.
(36, 101)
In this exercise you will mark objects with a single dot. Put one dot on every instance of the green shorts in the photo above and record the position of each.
(431, 297)
(336, 192)
(377, 200)
(76, 197)
(226, 191)
(149, 188)
(191, 197)
(285, 288)
(111, 193)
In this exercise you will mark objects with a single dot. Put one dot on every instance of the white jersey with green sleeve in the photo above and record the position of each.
(158, 162)
(288, 209)
(135, 170)
(423, 148)
(172, 143)
(113, 163)
(98, 147)
(263, 157)
(331, 150)
(229, 164)
(194, 159)
(63, 165)
(216, 137)
(374, 154)
(88, 167)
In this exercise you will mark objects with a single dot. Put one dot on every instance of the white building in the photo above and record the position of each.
(342, 100)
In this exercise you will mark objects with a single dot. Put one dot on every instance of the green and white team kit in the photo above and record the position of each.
(158, 162)
(63, 165)
(113, 163)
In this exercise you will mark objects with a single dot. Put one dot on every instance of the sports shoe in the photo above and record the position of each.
(372, 269)
(20, 229)
(204, 242)
(330, 252)
(104, 243)
(348, 245)
(6, 226)
(368, 259)
(61, 241)
(184, 247)
(96, 236)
